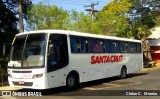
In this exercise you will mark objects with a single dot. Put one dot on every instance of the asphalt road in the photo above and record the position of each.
(143, 85)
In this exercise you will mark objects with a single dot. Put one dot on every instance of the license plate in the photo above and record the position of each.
(21, 82)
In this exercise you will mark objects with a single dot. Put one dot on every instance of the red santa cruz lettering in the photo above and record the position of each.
(106, 59)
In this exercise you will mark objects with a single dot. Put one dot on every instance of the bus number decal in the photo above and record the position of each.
(106, 59)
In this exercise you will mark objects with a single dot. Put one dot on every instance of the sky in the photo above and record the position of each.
(77, 5)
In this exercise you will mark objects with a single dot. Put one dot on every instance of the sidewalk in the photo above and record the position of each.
(157, 66)
(144, 70)
(9, 88)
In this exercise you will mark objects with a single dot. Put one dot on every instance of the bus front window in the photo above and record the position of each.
(29, 51)
(17, 47)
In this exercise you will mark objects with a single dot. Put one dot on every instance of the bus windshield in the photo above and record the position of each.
(29, 50)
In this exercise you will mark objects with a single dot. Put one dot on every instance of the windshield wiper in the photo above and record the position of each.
(23, 54)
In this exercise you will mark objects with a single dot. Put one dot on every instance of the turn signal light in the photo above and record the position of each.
(9, 75)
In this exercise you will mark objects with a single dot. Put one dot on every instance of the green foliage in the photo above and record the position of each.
(8, 12)
(83, 23)
(47, 17)
(156, 15)
(118, 8)
(144, 16)
(51, 17)
(157, 20)
(113, 19)
(8, 20)
(123, 18)
(13, 6)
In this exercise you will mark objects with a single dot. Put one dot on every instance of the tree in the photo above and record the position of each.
(8, 20)
(8, 26)
(144, 18)
(47, 17)
(9, 11)
(157, 20)
(145, 15)
(155, 13)
(13, 5)
(23, 6)
(113, 18)
(83, 23)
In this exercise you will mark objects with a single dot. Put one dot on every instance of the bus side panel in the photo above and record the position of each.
(88, 71)
(134, 63)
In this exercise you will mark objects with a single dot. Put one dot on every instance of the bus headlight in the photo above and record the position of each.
(37, 75)
(9, 75)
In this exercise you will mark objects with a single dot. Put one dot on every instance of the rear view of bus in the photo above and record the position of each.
(27, 61)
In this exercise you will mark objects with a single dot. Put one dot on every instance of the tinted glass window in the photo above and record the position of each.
(132, 47)
(29, 50)
(17, 47)
(101, 46)
(84, 45)
(115, 46)
(139, 48)
(57, 52)
(75, 44)
(124, 47)
(93, 45)
(109, 46)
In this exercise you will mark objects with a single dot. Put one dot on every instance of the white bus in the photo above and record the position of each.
(52, 58)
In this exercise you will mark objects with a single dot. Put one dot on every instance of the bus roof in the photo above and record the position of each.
(68, 32)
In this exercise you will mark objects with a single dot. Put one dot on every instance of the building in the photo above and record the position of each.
(154, 43)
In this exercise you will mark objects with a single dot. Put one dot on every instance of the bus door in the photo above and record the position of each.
(57, 58)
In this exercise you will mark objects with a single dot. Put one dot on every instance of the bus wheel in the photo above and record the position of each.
(123, 73)
(71, 82)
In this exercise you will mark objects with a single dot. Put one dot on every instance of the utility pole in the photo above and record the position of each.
(92, 10)
(21, 27)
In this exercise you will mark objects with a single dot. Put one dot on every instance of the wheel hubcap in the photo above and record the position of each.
(71, 81)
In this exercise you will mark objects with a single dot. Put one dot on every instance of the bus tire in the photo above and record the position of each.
(123, 73)
(71, 82)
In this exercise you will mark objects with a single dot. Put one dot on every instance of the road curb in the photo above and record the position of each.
(151, 68)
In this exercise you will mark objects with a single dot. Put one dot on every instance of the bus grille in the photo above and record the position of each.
(25, 83)
(21, 71)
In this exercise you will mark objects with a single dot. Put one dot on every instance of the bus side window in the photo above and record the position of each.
(115, 46)
(108, 46)
(75, 44)
(97, 46)
(124, 47)
(132, 47)
(93, 47)
(101, 46)
(138, 48)
(78, 47)
(84, 45)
